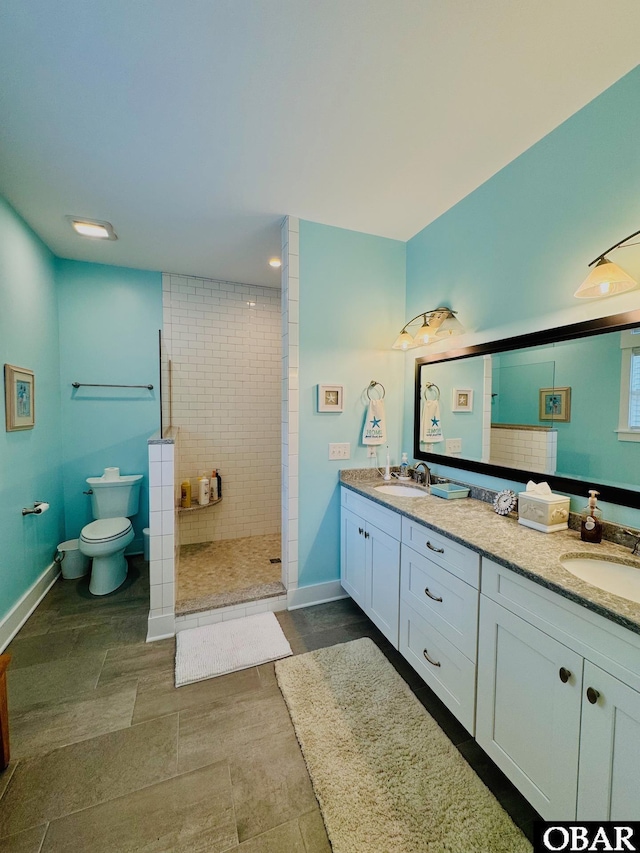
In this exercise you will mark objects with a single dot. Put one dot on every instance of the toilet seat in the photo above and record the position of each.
(105, 530)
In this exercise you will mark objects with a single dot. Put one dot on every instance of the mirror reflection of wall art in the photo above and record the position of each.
(19, 397)
(462, 400)
(330, 398)
(555, 404)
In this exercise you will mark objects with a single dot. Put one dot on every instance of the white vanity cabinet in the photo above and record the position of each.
(558, 701)
(439, 615)
(370, 560)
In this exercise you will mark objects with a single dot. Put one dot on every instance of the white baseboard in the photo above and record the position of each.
(161, 627)
(20, 612)
(319, 593)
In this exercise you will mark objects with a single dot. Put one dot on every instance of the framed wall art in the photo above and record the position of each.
(19, 397)
(555, 404)
(330, 398)
(462, 400)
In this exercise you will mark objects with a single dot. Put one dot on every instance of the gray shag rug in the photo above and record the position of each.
(387, 778)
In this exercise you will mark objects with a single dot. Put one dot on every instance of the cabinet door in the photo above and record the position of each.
(353, 556)
(527, 717)
(609, 749)
(382, 601)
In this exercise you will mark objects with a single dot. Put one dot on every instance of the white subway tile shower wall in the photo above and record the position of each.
(290, 398)
(162, 534)
(533, 450)
(226, 361)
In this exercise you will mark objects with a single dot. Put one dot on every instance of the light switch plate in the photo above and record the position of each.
(372, 452)
(453, 445)
(340, 451)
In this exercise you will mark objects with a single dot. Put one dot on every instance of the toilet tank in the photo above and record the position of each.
(115, 498)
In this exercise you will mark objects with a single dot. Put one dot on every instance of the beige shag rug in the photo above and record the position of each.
(387, 778)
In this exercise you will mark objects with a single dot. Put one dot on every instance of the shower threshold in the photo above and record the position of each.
(225, 599)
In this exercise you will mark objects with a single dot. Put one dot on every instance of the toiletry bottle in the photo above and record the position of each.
(213, 486)
(185, 490)
(219, 481)
(404, 467)
(591, 526)
(203, 491)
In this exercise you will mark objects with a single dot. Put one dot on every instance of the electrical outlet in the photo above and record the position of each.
(340, 451)
(453, 445)
(372, 453)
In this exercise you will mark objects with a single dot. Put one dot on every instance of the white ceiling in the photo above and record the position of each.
(195, 125)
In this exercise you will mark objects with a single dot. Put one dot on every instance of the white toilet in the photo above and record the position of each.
(113, 500)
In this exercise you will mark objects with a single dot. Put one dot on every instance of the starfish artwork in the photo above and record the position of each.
(375, 422)
(434, 422)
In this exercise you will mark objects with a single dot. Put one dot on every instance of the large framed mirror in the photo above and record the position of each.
(561, 405)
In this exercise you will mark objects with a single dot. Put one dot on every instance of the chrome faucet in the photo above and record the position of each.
(422, 477)
(635, 550)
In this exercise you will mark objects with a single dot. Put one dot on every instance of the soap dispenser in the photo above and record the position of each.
(591, 526)
(404, 467)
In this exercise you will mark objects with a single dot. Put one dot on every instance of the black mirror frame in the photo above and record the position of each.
(613, 323)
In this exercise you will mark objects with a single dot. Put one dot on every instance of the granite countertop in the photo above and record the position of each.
(528, 552)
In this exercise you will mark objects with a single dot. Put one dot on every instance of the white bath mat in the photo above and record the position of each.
(228, 646)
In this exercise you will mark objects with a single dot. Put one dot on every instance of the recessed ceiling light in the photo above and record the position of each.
(275, 263)
(95, 228)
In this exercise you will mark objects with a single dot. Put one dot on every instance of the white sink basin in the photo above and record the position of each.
(401, 491)
(607, 574)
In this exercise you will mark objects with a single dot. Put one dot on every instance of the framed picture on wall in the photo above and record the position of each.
(555, 404)
(330, 398)
(19, 397)
(462, 400)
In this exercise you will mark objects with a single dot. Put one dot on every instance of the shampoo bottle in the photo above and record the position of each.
(203, 491)
(213, 486)
(591, 526)
(185, 494)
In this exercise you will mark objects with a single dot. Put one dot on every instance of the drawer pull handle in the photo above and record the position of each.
(433, 548)
(564, 674)
(432, 597)
(361, 530)
(366, 535)
(592, 695)
(432, 662)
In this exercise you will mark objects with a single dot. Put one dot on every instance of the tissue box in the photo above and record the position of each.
(547, 513)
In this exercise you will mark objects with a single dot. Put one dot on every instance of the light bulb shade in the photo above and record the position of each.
(426, 334)
(605, 279)
(450, 327)
(404, 341)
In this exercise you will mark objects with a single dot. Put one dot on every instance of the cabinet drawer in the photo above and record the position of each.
(442, 599)
(451, 676)
(461, 561)
(383, 519)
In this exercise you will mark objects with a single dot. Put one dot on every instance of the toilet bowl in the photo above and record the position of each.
(113, 498)
(105, 541)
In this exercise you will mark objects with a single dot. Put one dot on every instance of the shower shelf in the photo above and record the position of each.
(197, 506)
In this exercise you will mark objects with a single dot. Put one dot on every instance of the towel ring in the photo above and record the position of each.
(428, 386)
(373, 384)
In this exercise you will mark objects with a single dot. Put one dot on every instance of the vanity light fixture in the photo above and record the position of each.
(607, 278)
(436, 324)
(276, 263)
(95, 228)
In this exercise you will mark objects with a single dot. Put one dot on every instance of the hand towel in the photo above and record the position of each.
(430, 425)
(375, 425)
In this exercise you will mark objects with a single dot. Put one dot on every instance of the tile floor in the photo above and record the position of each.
(228, 571)
(108, 757)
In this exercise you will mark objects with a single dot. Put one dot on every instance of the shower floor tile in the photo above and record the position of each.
(229, 571)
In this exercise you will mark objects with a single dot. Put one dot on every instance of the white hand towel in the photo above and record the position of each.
(375, 425)
(430, 424)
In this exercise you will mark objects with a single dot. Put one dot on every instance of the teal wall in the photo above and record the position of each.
(109, 322)
(510, 255)
(351, 305)
(30, 459)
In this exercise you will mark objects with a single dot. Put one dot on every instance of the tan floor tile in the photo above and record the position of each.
(314, 833)
(29, 841)
(285, 838)
(187, 814)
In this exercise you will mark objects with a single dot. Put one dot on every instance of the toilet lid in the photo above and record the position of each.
(105, 529)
